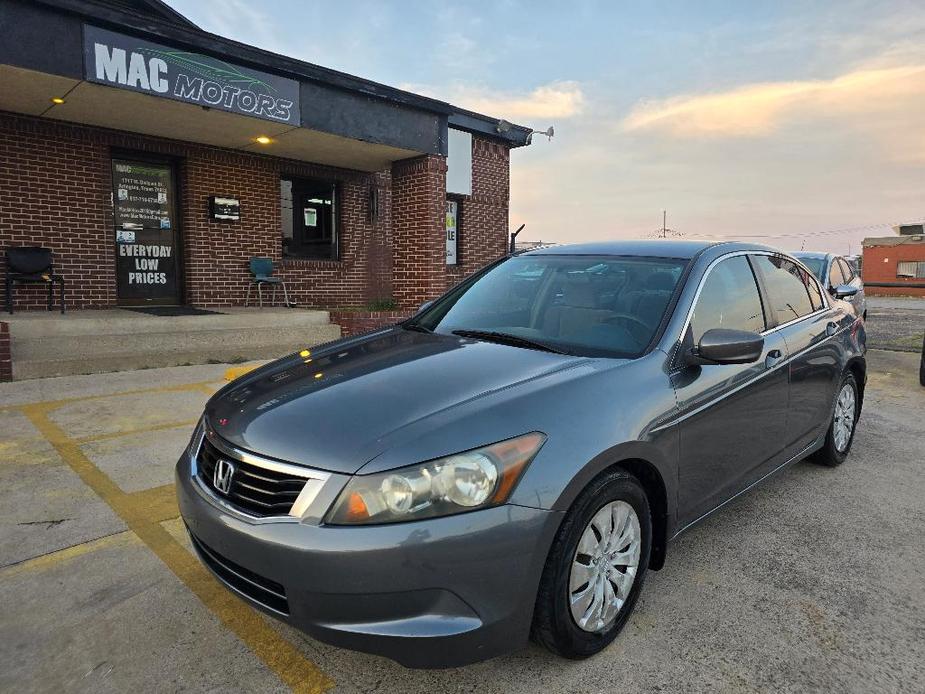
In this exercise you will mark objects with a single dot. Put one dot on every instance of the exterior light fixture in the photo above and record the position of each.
(548, 132)
(57, 100)
(263, 139)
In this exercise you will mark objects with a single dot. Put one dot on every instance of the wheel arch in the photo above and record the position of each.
(651, 480)
(858, 368)
(658, 490)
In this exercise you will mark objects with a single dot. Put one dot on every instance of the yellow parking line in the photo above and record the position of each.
(129, 432)
(142, 513)
(157, 504)
(55, 404)
(52, 558)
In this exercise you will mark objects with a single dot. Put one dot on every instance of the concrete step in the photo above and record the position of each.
(44, 368)
(147, 342)
(86, 344)
(121, 322)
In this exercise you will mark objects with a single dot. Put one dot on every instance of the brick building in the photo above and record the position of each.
(156, 159)
(895, 265)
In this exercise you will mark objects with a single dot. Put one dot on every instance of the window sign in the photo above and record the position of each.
(311, 217)
(130, 63)
(142, 195)
(452, 221)
(459, 162)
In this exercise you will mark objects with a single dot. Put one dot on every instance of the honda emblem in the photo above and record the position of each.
(221, 477)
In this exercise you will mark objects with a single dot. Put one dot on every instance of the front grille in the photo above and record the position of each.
(258, 491)
(262, 590)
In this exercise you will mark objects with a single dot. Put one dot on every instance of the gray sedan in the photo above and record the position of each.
(513, 459)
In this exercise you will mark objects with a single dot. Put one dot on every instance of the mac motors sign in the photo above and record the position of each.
(141, 66)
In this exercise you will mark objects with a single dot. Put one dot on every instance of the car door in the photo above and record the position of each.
(732, 416)
(806, 323)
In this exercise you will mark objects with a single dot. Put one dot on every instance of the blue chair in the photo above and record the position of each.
(262, 271)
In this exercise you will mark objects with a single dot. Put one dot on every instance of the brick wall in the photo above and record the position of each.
(483, 232)
(880, 266)
(55, 191)
(358, 322)
(419, 230)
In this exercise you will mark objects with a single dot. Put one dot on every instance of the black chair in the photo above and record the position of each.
(32, 265)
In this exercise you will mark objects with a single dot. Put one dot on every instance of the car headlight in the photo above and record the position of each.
(466, 481)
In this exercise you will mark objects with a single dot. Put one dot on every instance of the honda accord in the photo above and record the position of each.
(510, 461)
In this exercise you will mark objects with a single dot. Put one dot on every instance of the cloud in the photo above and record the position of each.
(760, 109)
(556, 100)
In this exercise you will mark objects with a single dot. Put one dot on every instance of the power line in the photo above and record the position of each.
(809, 234)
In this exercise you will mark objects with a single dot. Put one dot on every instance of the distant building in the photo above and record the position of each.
(895, 265)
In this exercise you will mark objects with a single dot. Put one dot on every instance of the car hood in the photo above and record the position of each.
(335, 408)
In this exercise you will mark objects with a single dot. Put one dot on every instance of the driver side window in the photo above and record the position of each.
(729, 298)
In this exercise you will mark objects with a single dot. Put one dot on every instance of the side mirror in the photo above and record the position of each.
(426, 305)
(843, 291)
(724, 346)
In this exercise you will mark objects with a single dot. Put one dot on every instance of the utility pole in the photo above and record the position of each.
(664, 232)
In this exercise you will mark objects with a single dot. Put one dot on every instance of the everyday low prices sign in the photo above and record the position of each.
(130, 63)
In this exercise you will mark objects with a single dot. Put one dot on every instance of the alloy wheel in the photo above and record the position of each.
(843, 423)
(604, 566)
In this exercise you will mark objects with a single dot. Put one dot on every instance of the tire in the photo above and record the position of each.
(836, 448)
(554, 625)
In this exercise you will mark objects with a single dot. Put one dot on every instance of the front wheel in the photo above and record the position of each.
(840, 436)
(595, 568)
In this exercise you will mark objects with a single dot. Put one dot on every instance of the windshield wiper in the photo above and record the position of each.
(508, 339)
(416, 327)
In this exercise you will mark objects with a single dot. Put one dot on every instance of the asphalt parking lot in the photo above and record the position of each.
(812, 582)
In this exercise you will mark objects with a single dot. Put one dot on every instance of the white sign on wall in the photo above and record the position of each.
(459, 162)
(452, 219)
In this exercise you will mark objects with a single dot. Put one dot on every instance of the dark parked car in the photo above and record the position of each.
(513, 459)
(835, 271)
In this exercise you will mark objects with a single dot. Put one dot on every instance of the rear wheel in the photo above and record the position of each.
(840, 435)
(595, 568)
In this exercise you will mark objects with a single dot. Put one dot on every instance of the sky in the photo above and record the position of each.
(792, 123)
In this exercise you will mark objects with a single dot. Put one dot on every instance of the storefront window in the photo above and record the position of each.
(309, 218)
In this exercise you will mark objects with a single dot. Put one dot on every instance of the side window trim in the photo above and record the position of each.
(770, 320)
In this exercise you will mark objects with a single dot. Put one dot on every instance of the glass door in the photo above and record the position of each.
(147, 248)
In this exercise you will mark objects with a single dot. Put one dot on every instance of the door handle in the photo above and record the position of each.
(831, 328)
(774, 356)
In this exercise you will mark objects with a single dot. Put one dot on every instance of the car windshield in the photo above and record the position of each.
(815, 265)
(584, 305)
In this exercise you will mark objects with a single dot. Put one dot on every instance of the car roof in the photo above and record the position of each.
(811, 254)
(653, 248)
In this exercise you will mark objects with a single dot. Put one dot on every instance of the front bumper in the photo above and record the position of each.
(441, 592)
